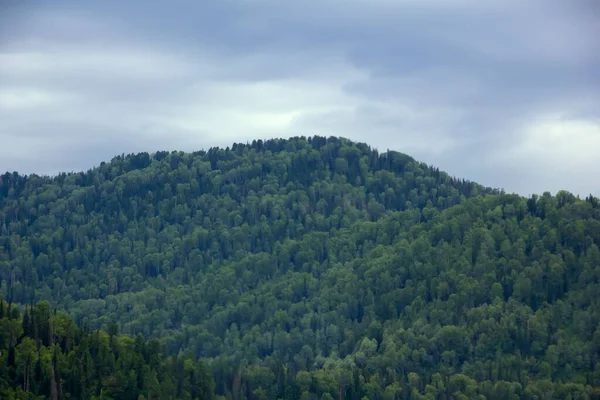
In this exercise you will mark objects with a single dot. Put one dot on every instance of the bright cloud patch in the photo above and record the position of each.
(564, 141)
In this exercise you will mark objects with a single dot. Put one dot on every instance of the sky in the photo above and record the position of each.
(505, 93)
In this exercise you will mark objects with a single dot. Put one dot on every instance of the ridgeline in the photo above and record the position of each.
(306, 268)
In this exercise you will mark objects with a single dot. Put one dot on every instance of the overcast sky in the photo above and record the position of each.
(506, 93)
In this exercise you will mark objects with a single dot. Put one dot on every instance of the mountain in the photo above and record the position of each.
(312, 268)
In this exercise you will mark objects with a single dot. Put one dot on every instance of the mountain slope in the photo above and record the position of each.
(318, 267)
(124, 213)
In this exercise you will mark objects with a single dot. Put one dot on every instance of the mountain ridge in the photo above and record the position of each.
(320, 267)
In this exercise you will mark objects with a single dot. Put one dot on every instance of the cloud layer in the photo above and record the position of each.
(503, 93)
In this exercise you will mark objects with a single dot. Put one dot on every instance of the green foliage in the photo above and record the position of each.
(78, 364)
(307, 269)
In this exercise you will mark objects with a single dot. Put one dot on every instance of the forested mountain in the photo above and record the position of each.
(318, 268)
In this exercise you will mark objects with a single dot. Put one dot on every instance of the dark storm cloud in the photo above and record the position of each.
(462, 84)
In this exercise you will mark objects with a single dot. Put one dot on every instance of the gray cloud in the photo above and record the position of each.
(470, 86)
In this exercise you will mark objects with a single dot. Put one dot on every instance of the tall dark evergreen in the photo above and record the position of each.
(56, 371)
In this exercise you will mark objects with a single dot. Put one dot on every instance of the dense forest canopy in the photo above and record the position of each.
(316, 268)
(43, 355)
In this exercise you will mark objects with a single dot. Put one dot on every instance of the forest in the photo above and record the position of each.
(44, 355)
(304, 268)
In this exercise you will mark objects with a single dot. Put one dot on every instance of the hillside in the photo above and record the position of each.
(318, 268)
